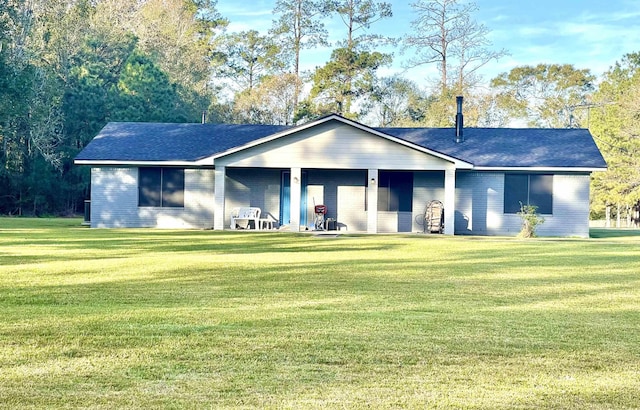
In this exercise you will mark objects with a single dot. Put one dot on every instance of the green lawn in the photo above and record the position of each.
(203, 319)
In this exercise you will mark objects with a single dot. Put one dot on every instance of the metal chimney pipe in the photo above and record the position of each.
(204, 117)
(459, 120)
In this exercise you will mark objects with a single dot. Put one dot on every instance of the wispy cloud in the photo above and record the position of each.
(242, 18)
(592, 38)
(245, 9)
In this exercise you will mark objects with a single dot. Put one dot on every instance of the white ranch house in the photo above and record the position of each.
(371, 180)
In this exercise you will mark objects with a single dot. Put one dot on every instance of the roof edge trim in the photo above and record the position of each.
(542, 169)
(143, 163)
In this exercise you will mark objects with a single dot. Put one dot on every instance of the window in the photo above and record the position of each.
(528, 189)
(395, 192)
(161, 187)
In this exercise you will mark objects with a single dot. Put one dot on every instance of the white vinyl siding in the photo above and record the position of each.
(253, 187)
(351, 213)
(326, 186)
(480, 206)
(334, 146)
(114, 197)
(427, 186)
(570, 207)
(114, 201)
(479, 203)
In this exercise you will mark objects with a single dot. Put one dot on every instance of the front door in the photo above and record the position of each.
(285, 199)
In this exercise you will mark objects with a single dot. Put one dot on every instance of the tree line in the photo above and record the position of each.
(67, 67)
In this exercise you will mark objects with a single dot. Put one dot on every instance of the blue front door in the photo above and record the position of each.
(285, 199)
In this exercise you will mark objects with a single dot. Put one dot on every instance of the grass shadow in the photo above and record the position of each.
(603, 233)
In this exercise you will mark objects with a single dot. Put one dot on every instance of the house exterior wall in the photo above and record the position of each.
(343, 191)
(480, 206)
(253, 187)
(479, 203)
(114, 201)
(427, 186)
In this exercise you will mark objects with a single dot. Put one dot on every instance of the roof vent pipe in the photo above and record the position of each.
(459, 120)
(204, 117)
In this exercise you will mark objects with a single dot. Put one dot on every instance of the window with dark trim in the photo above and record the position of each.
(161, 187)
(528, 189)
(395, 191)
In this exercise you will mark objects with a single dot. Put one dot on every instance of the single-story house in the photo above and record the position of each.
(369, 179)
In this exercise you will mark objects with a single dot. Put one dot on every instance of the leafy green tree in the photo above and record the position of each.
(615, 123)
(248, 57)
(181, 37)
(58, 33)
(351, 70)
(358, 16)
(439, 108)
(145, 93)
(273, 101)
(68, 67)
(26, 110)
(394, 101)
(348, 75)
(298, 27)
(547, 95)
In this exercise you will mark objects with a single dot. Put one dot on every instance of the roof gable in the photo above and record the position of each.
(336, 145)
(337, 118)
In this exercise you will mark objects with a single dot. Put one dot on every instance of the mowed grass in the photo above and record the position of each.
(202, 319)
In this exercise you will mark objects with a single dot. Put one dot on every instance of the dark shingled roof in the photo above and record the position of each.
(139, 141)
(482, 147)
(509, 147)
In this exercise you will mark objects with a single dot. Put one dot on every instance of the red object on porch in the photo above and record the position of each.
(321, 209)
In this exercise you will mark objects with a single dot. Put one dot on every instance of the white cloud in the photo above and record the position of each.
(534, 31)
(243, 18)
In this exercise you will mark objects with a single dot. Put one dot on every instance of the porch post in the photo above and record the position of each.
(449, 200)
(294, 198)
(372, 201)
(218, 198)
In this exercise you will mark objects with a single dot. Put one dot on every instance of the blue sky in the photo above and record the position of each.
(591, 34)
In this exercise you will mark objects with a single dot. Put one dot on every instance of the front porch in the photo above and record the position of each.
(358, 200)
